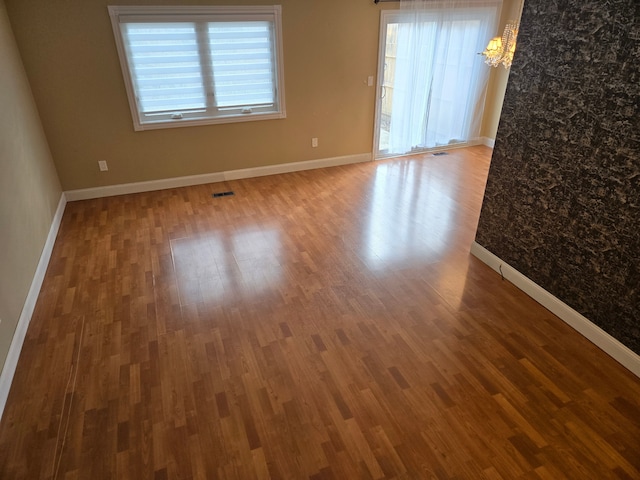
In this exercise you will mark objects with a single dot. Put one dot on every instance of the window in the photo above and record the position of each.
(200, 65)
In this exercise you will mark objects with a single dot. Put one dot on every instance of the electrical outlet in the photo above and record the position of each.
(102, 164)
(314, 142)
(370, 81)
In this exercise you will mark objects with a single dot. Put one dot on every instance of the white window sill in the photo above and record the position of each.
(160, 124)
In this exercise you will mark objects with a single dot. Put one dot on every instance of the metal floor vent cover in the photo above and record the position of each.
(437, 154)
(222, 194)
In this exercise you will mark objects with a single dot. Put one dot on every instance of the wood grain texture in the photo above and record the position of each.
(315, 325)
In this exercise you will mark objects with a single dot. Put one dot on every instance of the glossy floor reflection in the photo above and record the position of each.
(321, 324)
(411, 216)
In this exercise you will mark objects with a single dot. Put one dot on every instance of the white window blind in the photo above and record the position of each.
(242, 63)
(165, 66)
(194, 65)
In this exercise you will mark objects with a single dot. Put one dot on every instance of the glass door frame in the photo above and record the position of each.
(386, 17)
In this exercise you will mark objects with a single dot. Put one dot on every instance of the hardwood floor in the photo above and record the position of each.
(315, 325)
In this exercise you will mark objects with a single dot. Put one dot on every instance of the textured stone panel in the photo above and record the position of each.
(562, 203)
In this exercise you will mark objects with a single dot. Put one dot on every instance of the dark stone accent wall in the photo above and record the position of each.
(562, 203)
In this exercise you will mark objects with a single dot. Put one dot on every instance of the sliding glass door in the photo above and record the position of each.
(432, 80)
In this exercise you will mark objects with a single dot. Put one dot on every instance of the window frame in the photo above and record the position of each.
(119, 14)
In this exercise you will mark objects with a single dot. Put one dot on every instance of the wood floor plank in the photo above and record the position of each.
(325, 324)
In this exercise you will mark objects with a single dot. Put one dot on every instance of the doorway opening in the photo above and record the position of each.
(432, 83)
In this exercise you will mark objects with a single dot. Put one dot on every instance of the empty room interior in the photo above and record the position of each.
(319, 239)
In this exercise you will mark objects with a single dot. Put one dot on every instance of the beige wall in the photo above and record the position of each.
(330, 47)
(29, 187)
(511, 10)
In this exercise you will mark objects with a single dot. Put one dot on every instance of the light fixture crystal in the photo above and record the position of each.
(500, 50)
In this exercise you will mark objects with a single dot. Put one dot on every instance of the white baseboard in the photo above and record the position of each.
(297, 166)
(595, 334)
(11, 362)
(122, 189)
(138, 187)
(489, 142)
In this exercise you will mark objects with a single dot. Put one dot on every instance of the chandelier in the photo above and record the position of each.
(500, 50)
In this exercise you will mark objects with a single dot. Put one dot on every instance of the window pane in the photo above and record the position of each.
(165, 66)
(242, 63)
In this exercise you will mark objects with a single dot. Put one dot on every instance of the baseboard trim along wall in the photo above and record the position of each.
(10, 364)
(122, 189)
(595, 334)
(489, 142)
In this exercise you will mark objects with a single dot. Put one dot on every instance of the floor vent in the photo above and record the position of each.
(222, 194)
(437, 154)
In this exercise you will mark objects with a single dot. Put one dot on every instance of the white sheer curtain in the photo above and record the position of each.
(440, 80)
